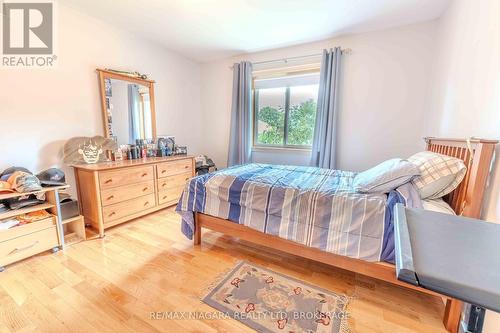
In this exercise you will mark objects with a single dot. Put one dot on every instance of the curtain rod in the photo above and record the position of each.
(285, 60)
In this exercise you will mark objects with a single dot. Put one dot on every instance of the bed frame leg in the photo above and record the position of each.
(197, 230)
(452, 314)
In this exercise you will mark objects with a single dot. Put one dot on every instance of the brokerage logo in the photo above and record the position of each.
(28, 34)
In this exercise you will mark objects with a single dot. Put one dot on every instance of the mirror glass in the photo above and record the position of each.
(128, 110)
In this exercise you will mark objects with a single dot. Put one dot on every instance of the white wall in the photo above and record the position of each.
(41, 109)
(385, 81)
(465, 90)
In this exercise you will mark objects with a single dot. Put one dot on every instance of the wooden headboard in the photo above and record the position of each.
(467, 198)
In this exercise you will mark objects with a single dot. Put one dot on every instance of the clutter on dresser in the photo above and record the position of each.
(142, 148)
(204, 165)
(87, 150)
(166, 145)
(145, 148)
(181, 150)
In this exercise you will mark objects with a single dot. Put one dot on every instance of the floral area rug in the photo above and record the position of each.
(271, 302)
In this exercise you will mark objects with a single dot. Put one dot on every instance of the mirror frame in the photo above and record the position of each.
(107, 74)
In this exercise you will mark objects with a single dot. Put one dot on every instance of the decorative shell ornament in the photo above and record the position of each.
(88, 150)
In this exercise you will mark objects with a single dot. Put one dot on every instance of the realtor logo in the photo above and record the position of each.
(28, 34)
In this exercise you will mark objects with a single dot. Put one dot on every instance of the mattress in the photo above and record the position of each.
(311, 206)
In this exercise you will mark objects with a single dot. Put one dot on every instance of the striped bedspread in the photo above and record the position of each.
(311, 206)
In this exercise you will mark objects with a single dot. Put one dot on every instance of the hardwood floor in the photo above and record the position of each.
(114, 284)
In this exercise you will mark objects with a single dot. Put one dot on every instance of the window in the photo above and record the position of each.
(285, 110)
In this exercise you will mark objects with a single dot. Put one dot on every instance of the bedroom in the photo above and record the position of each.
(408, 69)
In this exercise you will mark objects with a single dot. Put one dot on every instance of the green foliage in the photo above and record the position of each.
(273, 121)
(300, 124)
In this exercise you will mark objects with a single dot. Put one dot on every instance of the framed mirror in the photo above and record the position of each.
(128, 107)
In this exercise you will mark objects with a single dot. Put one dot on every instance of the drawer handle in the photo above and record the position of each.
(111, 214)
(144, 174)
(164, 197)
(110, 197)
(186, 166)
(19, 249)
(146, 203)
(186, 179)
(163, 171)
(108, 181)
(145, 189)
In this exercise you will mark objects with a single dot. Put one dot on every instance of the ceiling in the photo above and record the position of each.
(206, 30)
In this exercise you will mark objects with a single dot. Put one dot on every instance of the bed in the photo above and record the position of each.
(318, 208)
(284, 207)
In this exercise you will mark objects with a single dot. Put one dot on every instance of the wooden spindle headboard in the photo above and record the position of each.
(477, 155)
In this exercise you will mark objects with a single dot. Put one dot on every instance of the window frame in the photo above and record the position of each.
(255, 100)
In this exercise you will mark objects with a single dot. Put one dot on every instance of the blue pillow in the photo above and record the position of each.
(385, 177)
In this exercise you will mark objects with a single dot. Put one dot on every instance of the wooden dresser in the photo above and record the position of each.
(115, 192)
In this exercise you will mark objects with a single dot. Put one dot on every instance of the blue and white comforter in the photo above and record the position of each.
(311, 206)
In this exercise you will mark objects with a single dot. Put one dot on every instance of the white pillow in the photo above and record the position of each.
(439, 174)
(385, 177)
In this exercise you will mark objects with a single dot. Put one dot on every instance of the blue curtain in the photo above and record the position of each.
(323, 153)
(134, 113)
(241, 115)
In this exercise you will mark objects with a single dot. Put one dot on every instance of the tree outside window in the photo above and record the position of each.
(285, 116)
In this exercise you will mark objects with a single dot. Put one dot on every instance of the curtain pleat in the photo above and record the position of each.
(241, 115)
(324, 150)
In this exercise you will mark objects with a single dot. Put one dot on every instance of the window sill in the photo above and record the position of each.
(281, 149)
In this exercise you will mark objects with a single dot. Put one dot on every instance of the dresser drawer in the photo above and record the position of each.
(25, 246)
(174, 168)
(173, 181)
(27, 229)
(129, 207)
(126, 176)
(171, 195)
(122, 193)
